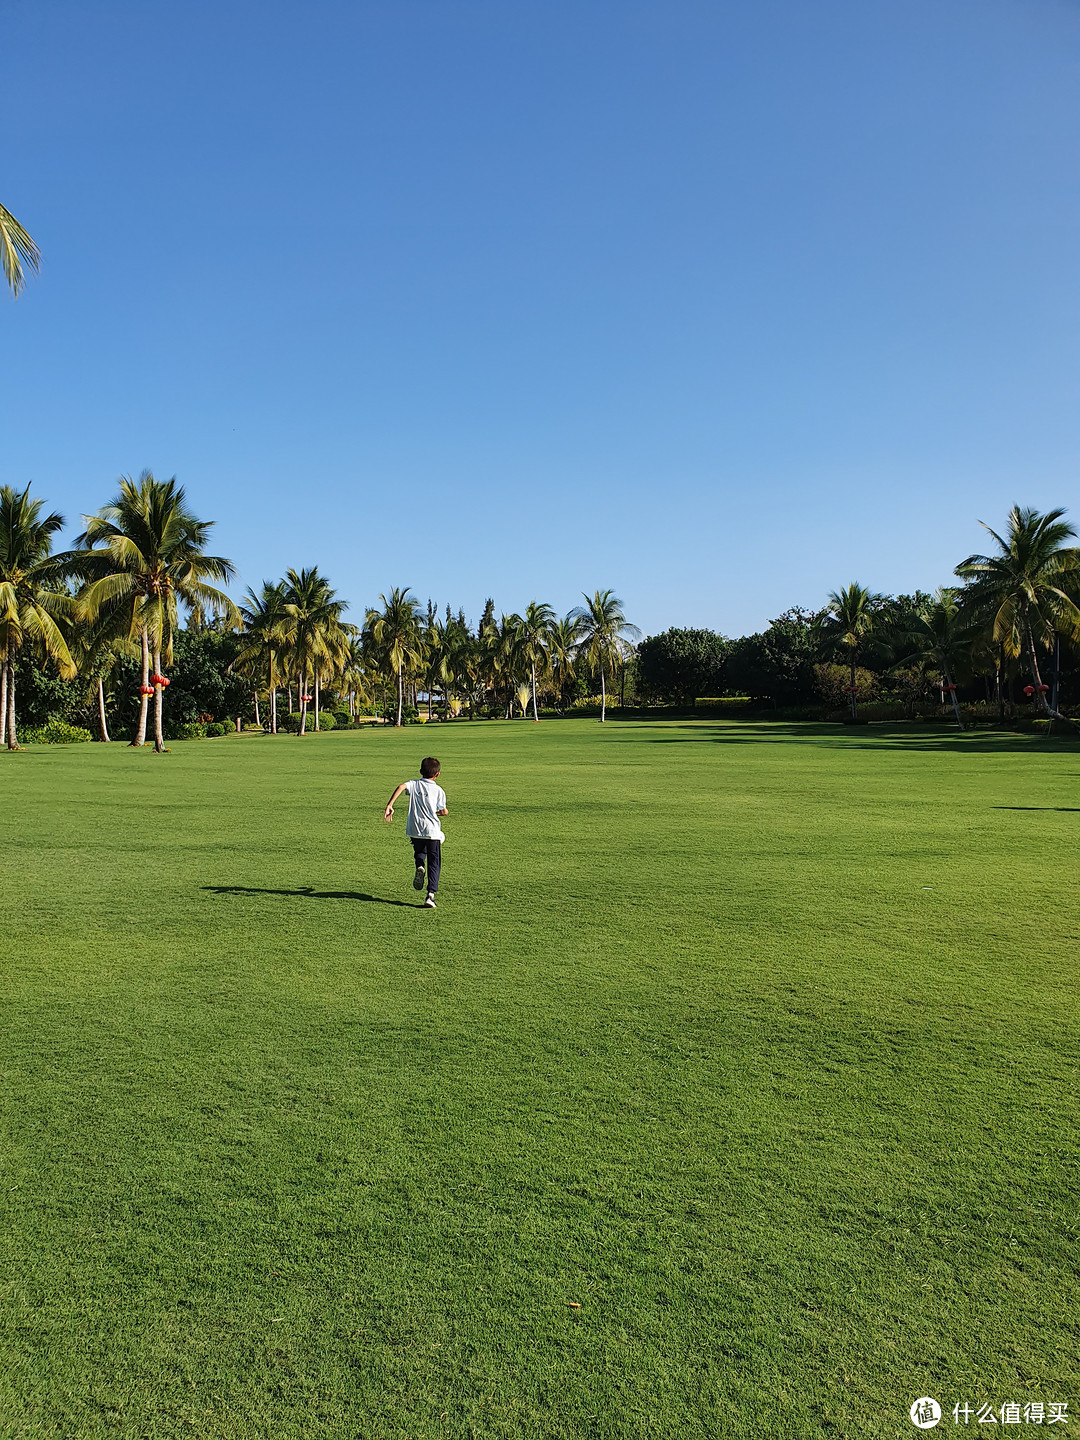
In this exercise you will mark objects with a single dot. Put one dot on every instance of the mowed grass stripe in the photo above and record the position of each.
(688, 1044)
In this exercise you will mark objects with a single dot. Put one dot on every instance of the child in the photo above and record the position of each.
(426, 804)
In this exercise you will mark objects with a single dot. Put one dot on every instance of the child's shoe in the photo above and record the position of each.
(429, 903)
(419, 879)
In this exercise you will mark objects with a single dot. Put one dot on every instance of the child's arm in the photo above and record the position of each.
(388, 813)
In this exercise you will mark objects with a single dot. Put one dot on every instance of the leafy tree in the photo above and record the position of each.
(18, 253)
(778, 664)
(682, 664)
(204, 678)
(1027, 592)
(605, 633)
(33, 603)
(144, 556)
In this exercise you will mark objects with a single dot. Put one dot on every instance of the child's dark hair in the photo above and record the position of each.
(430, 767)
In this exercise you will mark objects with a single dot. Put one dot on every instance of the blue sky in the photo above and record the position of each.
(722, 305)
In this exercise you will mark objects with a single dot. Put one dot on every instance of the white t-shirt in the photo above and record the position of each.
(425, 798)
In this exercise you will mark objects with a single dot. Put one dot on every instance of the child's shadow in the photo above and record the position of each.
(308, 892)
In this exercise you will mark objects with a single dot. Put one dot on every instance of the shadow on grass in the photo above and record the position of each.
(862, 737)
(1061, 809)
(308, 892)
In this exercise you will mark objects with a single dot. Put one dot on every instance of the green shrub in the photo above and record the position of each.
(190, 730)
(56, 731)
(327, 720)
(343, 720)
(218, 727)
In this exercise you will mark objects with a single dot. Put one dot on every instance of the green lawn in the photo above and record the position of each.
(730, 1092)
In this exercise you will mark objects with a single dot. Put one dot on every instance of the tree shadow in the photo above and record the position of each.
(308, 892)
(1061, 809)
(876, 736)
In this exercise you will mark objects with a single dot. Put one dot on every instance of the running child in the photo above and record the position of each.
(427, 804)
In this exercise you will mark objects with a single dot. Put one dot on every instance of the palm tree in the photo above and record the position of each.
(605, 632)
(438, 657)
(534, 635)
(850, 619)
(17, 250)
(563, 640)
(98, 649)
(32, 599)
(144, 554)
(265, 622)
(312, 629)
(939, 636)
(395, 631)
(1028, 589)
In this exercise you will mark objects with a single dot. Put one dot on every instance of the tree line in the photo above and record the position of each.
(138, 603)
(139, 589)
(1010, 628)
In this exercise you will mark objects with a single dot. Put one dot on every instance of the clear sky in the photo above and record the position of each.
(721, 304)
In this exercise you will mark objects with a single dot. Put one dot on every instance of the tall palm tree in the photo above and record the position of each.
(534, 636)
(266, 624)
(395, 631)
(1029, 588)
(850, 618)
(144, 555)
(605, 632)
(939, 636)
(312, 629)
(18, 253)
(32, 597)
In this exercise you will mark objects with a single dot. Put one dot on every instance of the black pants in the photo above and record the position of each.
(431, 851)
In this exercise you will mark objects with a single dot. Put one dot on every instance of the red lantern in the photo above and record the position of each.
(948, 687)
(1029, 689)
(1043, 689)
(146, 689)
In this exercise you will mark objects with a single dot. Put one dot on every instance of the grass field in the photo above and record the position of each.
(730, 1091)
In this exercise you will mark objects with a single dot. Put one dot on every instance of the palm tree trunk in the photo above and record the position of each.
(1050, 711)
(255, 694)
(952, 693)
(603, 694)
(536, 717)
(101, 710)
(999, 676)
(400, 695)
(159, 736)
(316, 701)
(12, 738)
(139, 738)
(273, 710)
(3, 699)
(303, 705)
